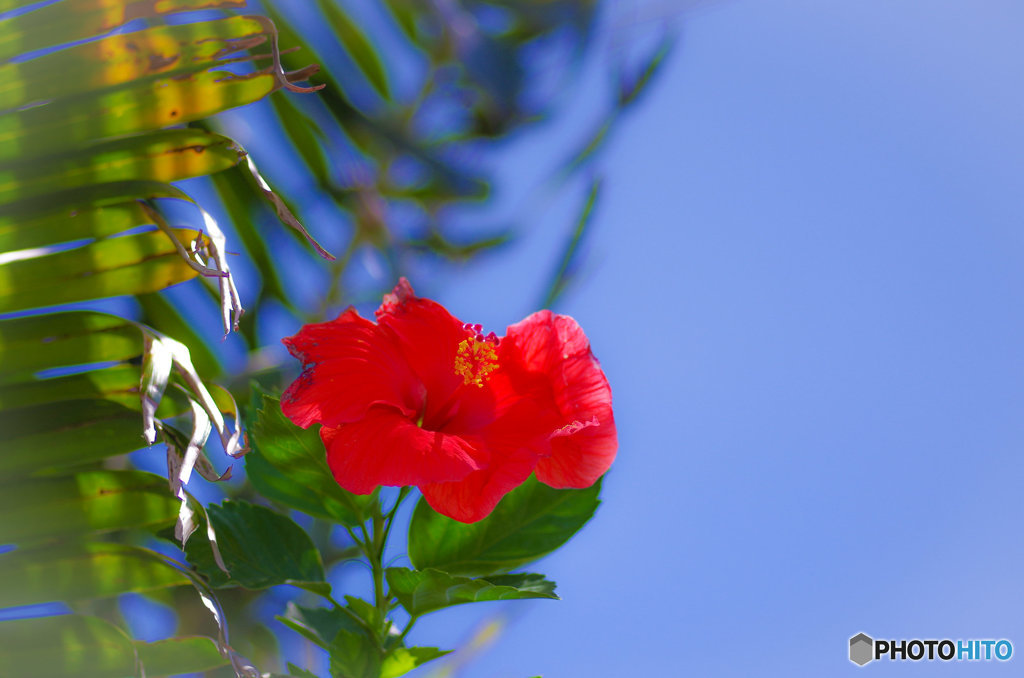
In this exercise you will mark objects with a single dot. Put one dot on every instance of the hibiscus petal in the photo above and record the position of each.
(584, 443)
(475, 496)
(349, 365)
(429, 337)
(385, 448)
(516, 441)
(579, 459)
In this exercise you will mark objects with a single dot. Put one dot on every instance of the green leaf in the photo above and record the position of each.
(531, 521)
(52, 226)
(402, 660)
(377, 137)
(83, 213)
(570, 255)
(354, 655)
(142, 262)
(358, 46)
(405, 15)
(119, 59)
(424, 591)
(305, 135)
(31, 213)
(68, 646)
(320, 625)
(70, 433)
(436, 243)
(72, 20)
(119, 383)
(289, 465)
(185, 654)
(63, 339)
(165, 155)
(526, 581)
(144, 105)
(91, 501)
(295, 671)
(80, 572)
(630, 90)
(261, 548)
(365, 611)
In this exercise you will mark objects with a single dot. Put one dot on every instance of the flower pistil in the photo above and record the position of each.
(476, 356)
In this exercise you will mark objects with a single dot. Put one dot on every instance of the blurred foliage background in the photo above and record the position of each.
(146, 144)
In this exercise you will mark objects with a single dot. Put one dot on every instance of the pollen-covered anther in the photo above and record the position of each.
(475, 359)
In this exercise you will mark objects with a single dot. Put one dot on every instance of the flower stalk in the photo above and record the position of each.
(376, 556)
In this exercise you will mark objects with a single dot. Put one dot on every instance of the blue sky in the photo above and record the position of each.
(804, 281)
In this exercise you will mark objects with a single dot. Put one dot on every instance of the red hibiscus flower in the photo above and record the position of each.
(421, 398)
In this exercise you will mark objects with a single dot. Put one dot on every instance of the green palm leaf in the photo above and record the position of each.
(91, 137)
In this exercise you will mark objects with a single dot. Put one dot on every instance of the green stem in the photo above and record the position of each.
(390, 517)
(365, 543)
(373, 544)
(356, 540)
(376, 558)
(408, 627)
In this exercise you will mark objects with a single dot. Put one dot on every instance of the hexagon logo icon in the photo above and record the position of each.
(861, 649)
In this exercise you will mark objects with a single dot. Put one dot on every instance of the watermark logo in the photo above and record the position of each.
(864, 649)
